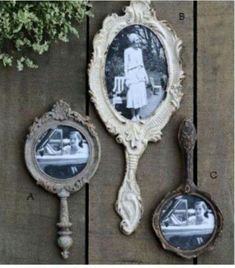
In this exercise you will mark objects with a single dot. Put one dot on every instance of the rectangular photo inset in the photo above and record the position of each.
(62, 152)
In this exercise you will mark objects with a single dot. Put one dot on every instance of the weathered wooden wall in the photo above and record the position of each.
(28, 227)
(159, 169)
(215, 117)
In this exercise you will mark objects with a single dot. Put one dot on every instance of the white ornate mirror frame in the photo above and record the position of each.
(62, 115)
(135, 135)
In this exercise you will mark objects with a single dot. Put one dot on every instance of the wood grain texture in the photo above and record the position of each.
(28, 230)
(160, 169)
(215, 118)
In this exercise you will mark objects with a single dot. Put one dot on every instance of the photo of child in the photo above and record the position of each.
(62, 152)
(136, 72)
(187, 222)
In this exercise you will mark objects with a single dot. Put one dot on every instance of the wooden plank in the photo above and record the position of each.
(160, 169)
(215, 120)
(28, 230)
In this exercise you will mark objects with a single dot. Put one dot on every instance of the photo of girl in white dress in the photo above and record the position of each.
(136, 77)
(136, 72)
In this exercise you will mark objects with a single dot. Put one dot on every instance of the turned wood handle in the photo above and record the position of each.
(65, 240)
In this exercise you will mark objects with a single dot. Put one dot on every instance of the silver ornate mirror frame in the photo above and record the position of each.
(61, 114)
(135, 135)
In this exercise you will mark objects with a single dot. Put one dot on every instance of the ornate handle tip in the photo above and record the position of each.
(129, 203)
(187, 135)
(187, 138)
(65, 254)
(127, 229)
(65, 242)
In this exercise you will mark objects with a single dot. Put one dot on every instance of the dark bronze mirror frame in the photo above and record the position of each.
(187, 139)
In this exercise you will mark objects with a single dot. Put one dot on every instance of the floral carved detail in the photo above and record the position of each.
(129, 203)
(177, 94)
(135, 135)
(61, 111)
(187, 136)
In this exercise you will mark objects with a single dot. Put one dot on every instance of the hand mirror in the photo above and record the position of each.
(187, 221)
(62, 153)
(135, 82)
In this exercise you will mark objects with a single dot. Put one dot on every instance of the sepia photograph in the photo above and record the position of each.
(187, 222)
(62, 152)
(136, 72)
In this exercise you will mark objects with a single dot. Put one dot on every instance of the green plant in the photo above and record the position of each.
(33, 26)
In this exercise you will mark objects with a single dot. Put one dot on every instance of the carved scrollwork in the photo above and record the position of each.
(129, 203)
(135, 135)
(176, 92)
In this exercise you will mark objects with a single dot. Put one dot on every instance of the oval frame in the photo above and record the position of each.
(189, 190)
(61, 114)
(135, 135)
(142, 121)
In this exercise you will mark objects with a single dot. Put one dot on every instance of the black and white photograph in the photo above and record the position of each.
(62, 152)
(187, 222)
(136, 72)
